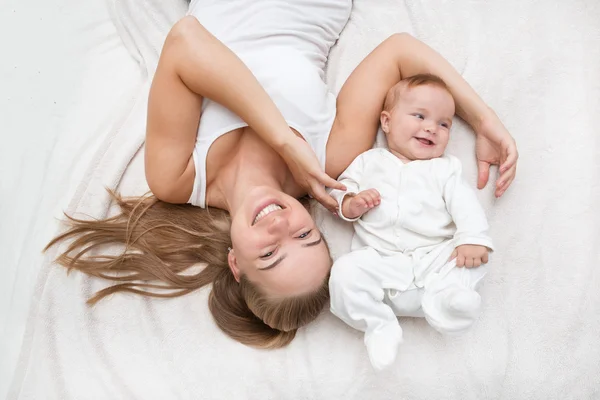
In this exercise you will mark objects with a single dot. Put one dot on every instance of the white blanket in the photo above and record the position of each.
(537, 65)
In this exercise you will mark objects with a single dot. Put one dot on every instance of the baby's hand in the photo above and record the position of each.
(356, 206)
(470, 255)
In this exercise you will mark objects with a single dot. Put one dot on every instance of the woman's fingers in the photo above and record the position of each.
(511, 158)
(505, 180)
(507, 175)
(504, 186)
(508, 169)
(483, 175)
(329, 182)
(317, 185)
(321, 195)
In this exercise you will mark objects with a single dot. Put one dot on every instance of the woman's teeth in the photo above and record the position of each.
(266, 211)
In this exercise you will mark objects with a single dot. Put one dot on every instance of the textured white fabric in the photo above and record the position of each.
(535, 62)
(285, 44)
(63, 67)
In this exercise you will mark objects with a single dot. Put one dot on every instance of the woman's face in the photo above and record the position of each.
(277, 245)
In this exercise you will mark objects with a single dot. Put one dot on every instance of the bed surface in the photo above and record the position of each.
(536, 63)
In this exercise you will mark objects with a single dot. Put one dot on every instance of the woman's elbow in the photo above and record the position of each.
(166, 181)
(184, 29)
(187, 34)
(400, 38)
(169, 192)
(159, 190)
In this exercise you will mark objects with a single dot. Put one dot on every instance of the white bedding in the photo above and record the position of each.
(536, 63)
(62, 66)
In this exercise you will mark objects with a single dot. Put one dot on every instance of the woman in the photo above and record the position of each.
(240, 122)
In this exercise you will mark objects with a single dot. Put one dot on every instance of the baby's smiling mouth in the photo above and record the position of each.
(426, 142)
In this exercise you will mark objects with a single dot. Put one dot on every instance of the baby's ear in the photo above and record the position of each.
(384, 118)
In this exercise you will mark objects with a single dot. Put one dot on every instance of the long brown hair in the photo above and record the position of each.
(159, 243)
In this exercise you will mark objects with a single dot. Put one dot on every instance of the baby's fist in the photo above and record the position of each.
(470, 255)
(356, 206)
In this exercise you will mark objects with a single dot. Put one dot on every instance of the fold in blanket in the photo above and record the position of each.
(536, 64)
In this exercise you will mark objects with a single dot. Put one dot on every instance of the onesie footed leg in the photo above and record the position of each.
(382, 345)
(451, 309)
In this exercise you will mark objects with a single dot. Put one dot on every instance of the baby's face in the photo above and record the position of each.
(418, 127)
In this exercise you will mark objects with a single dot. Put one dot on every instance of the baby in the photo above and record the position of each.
(420, 236)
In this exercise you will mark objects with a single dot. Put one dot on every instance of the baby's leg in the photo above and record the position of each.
(451, 303)
(406, 303)
(357, 299)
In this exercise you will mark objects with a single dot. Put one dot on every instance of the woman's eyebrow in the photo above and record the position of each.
(316, 242)
(275, 263)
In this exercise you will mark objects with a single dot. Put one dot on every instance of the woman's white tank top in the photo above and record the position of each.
(285, 43)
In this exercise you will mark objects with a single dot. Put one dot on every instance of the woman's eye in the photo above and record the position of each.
(269, 254)
(305, 234)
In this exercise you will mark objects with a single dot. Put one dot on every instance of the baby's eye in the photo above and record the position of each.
(445, 125)
(420, 116)
(305, 234)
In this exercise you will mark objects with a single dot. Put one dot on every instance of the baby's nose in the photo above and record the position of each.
(431, 128)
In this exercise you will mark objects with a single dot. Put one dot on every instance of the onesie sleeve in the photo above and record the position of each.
(351, 178)
(464, 207)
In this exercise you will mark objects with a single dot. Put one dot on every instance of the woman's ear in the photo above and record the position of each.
(233, 266)
(384, 118)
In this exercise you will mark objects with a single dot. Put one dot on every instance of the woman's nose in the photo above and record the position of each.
(278, 224)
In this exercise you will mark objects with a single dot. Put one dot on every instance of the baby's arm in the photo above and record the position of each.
(353, 202)
(471, 238)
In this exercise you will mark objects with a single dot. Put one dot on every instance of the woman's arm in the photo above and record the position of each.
(193, 65)
(361, 100)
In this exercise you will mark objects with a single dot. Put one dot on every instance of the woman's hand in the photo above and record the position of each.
(495, 146)
(304, 165)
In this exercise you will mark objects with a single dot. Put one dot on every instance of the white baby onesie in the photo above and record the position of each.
(399, 264)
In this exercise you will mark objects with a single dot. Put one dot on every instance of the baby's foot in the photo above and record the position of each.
(382, 345)
(464, 303)
(451, 310)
